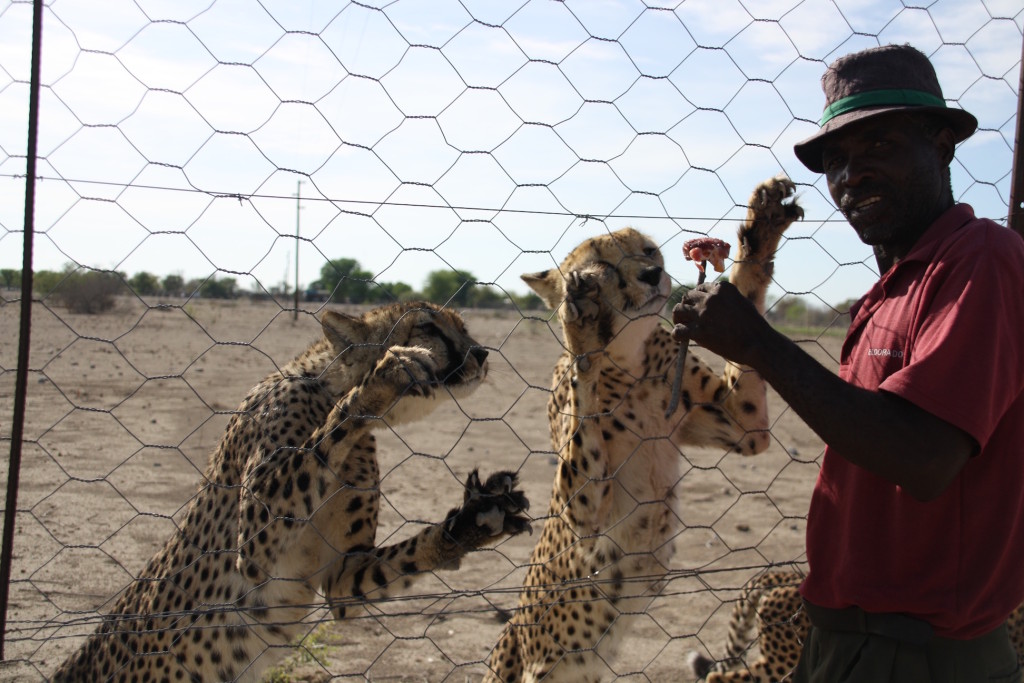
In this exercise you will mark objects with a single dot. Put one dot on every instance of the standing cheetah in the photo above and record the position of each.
(608, 537)
(286, 516)
(770, 604)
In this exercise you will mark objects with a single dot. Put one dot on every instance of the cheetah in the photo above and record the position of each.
(771, 604)
(608, 536)
(284, 521)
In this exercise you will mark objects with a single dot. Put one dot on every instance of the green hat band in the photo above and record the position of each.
(875, 98)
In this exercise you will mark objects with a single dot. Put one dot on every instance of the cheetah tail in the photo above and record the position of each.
(700, 665)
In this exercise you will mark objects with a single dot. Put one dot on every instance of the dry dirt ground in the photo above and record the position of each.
(124, 408)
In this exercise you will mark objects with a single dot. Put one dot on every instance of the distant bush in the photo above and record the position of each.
(144, 284)
(528, 302)
(44, 282)
(222, 288)
(173, 285)
(11, 278)
(88, 291)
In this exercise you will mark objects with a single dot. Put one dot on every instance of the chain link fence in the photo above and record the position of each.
(213, 174)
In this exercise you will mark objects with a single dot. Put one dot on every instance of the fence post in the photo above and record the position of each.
(1015, 218)
(21, 379)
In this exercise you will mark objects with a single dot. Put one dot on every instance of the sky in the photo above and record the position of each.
(199, 137)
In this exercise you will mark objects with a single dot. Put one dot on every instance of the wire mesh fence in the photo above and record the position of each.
(214, 175)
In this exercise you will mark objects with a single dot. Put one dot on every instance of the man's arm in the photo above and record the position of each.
(878, 431)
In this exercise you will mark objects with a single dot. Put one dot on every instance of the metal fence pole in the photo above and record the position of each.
(1015, 217)
(21, 381)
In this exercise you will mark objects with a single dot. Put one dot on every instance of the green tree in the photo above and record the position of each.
(843, 307)
(11, 277)
(793, 310)
(393, 291)
(173, 285)
(45, 281)
(88, 291)
(191, 287)
(488, 297)
(212, 288)
(223, 288)
(676, 295)
(528, 301)
(144, 284)
(843, 317)
(807, 313)
(346, 281)
(450, 286)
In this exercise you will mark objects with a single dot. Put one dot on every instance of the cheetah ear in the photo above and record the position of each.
(548, 285)
(341, 330)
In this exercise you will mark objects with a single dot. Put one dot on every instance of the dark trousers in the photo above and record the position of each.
(850, 646)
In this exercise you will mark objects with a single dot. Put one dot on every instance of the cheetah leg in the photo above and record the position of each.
(757, 673)
(491, 510)
(769, 214)
(582, 475)
(731, 409)
(780, 651)
(285, 488)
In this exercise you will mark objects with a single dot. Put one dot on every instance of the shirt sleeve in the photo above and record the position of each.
(966, 363)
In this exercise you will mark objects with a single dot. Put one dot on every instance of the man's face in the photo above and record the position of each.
(886, 175)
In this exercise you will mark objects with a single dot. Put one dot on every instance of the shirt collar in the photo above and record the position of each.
(923, 251)
(951, 220)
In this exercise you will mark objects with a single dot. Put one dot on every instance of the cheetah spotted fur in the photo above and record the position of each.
(609, 533)
(770, 613)
(285, 519)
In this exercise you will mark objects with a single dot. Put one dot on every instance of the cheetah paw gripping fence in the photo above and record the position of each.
(363, 514)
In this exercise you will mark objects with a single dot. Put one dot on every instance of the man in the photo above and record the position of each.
(915, 534)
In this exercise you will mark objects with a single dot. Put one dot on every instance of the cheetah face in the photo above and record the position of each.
(462, 362)
(631, 277)
(459, 362)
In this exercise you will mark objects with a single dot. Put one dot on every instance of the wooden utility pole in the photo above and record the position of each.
(298, 209)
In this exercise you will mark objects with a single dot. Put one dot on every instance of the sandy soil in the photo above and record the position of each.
(125, 407)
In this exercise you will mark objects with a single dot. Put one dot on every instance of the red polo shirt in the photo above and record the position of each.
(944, 329)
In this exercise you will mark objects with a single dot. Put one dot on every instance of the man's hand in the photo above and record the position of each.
(720, 319)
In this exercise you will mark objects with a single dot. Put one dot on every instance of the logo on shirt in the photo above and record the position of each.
(892, 353)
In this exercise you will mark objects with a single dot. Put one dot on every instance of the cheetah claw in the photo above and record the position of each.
(409, 370)
(581, 291)
(489, 510)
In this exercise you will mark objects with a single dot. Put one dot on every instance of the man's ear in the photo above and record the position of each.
(945, 145)
(548, 285)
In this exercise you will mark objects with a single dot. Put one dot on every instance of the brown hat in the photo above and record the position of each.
(878, 81)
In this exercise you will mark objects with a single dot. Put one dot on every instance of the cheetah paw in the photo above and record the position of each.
(773, 208)
(581, 311)
(408, 370)
(768, 203)
(582, 297)
(490, 510)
